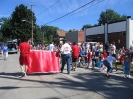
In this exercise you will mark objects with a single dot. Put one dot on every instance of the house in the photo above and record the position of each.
(120, 32)
(59, 36)
(75, 36)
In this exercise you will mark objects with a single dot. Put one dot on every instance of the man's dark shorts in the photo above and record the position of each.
(74, 59)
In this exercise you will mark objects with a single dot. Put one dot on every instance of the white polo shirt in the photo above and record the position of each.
(66, 48)
(51, 47)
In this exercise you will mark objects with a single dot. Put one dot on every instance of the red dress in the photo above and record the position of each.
(24, 48)
(121, 58)
(105, 55)
(89, 56)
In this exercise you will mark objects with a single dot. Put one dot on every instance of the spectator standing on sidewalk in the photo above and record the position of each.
(51, 46)
(127, 64)
(107, 47)
(75, 55)
(89, 55)
(25, 50)
(87, 47)
(66, 56)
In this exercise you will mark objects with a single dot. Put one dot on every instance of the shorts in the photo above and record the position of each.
(86, 60)
(5, 54)
(24, 59)
(74, 59)
(79, 55)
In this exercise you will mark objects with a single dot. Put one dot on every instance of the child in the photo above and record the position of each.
(81, 56)
(100, 62)
(121, 60)
(127, 64)
(89, 58)
(105, 55)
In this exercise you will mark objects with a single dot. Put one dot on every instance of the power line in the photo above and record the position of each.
(48, 7)
(84, 9)
(72, 11)
(87, 8)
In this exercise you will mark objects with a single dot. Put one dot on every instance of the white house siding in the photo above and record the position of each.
(131, 33)
(117, 27)
(114, 31)
(95, 30)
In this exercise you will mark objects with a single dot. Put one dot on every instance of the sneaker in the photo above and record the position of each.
(86, 67)
(108, 76)
(72, 69)
(68, 73)
(125, 76)
(23, 75)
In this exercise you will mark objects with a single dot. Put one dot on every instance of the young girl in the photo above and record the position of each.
(100, 62)
(127, 64)
(81, 56)
(121, 60)
(89, 58)
(105, 55)
(86, 59)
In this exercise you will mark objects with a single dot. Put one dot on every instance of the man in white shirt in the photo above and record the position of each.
(51, 46)
(87, 46)
(66, 56)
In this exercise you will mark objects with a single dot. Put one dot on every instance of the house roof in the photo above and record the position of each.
(61, 33)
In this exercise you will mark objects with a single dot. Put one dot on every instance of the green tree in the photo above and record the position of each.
(86, 26)
(14, 27)
(49, 32)
(5, 27)
(110, 16)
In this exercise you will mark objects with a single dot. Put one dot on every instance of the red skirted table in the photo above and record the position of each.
(43, 62)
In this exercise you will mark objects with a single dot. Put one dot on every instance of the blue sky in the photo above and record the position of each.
(89, 15)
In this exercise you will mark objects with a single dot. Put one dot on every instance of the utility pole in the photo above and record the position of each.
(32, 24)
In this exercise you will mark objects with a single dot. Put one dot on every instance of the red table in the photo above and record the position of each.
(43, 62)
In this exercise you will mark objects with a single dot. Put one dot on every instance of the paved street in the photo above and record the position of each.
(81, 84)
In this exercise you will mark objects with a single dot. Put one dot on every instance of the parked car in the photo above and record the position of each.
(12, 48)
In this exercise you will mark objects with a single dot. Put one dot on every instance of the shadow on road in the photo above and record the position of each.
(116, 87)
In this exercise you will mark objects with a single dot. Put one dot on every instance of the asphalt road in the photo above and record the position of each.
(81, 84)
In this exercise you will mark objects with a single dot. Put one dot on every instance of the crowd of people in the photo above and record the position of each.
(95, 55)
(73, 54)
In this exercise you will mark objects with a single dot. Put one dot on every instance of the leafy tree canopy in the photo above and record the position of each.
(110, 16)
(86, 26)
(14, 27)
(49, 32)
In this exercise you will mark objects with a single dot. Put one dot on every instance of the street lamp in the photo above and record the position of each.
(31, 30)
